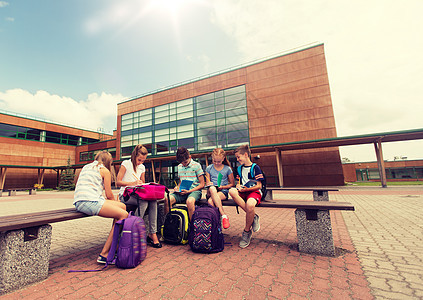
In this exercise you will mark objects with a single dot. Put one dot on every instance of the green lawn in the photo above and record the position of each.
(369, 183)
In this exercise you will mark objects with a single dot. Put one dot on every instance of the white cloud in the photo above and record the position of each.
(3, 4)
(372, 53)
(93, 113)
(10, 19)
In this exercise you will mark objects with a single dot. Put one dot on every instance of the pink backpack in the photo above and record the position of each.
(148, 192)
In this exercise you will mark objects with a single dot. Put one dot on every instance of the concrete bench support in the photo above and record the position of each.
(314, 232)
(320, 195)
(24, 257)
(12, 192)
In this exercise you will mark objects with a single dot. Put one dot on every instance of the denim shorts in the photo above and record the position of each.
(224, 192)
(91, 208)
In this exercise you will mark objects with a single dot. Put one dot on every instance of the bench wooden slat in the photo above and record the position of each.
(320, 205)
(38, 218)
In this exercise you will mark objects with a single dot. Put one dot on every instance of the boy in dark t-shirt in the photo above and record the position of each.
(245, 195)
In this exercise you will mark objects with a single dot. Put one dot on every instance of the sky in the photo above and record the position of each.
(72, 62)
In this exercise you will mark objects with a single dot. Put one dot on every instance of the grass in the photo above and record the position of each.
(389, 183)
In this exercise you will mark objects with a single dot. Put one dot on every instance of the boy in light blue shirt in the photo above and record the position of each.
(191, 170)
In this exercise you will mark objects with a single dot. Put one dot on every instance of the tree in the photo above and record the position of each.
(67, 178)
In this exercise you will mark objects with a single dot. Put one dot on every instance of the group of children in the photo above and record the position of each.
(218, 178)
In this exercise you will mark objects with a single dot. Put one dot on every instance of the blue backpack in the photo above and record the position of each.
(206, 234)
(263, 182)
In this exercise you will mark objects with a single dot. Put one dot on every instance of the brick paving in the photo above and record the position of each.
(387, 232)
(379, 256)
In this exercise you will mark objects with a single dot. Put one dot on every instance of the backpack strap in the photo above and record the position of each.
(239, 170)
(115, 241)
(252, 170)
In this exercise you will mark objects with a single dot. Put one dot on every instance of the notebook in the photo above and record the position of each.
(185, 185)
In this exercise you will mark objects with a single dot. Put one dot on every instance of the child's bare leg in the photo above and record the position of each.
(190, 206)
(237, 198)
(116, 210)
(217, 198)
(106, 248)
(249, 213)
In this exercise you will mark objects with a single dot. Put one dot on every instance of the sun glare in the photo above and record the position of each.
(172, 6)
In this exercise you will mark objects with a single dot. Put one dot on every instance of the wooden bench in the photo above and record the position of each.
(12, 192)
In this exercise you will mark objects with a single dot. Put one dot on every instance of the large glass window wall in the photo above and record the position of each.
(217, 119)
(19, 132)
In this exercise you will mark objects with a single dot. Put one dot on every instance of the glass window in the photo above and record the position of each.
(201, 105)
(164, 107)
(206, 97)
(235, 90)
(235, 104)
(185, 122)
(161, 132)
(206, 124)
(160, 114)
(187, 102)
(185, 115)
(219, 119)
(161, 120)
(127, 116)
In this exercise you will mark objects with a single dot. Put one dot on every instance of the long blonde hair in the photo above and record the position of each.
(221, 152)
(105, 158)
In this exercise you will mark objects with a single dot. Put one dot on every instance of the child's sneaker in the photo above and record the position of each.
(245, 238)
(102, 260)
(225, 222)
(256, 223)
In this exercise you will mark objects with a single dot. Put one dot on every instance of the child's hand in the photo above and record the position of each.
(240, 187)
(176, 188)
(184, 192)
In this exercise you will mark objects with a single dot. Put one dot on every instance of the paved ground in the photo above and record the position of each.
(379, 245)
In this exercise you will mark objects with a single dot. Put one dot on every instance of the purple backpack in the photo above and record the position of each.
(129, 244)
(206, 234)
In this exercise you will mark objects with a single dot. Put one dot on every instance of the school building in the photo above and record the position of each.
(282, 100)
(278, 100)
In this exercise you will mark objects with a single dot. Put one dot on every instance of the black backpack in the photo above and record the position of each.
(176, 225)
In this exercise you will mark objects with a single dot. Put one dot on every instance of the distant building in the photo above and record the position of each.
(26, 142)
(397, 170)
